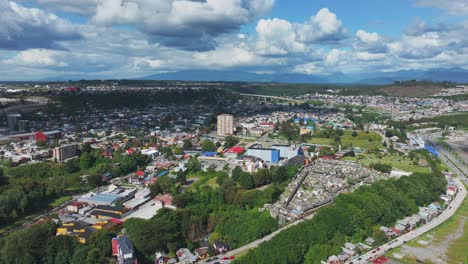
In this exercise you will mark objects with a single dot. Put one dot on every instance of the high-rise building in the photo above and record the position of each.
(64, 152)
(225, 125)
(23, 125)
(13, 120)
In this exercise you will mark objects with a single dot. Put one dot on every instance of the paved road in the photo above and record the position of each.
(444, 216)
(451, 161)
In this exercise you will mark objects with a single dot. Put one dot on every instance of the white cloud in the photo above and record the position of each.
(367, 37)
(277, 37)
(323, 27)
(190, 25)
(36, 58)
(366, 56)
(22, 28)
(452, 7)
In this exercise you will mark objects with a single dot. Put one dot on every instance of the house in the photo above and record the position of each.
(164, 200)
(220, 248)
(369, 241)
(162, 258)
(201, 252)
(123, 249)
(75, 206)
(185, 256)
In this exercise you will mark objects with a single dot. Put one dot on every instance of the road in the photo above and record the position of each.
(454, 164)
(444, 216)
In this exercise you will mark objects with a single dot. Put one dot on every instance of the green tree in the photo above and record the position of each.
(208, 145)
(187, 144)
(230, 141)
(86, 161)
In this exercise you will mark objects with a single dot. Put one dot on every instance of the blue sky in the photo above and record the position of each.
(133, 38)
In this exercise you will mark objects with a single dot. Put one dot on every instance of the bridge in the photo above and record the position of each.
(272, 98)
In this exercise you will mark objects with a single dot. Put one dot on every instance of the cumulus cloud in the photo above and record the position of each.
(323, 27)
(452, 7)
(23, 28)
(64, 60)
(186, 24)
(79, 7)
(277, 37)
(36, 58)
(370, 42)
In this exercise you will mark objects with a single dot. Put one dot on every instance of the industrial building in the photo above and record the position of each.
(288, 151)
(266, 154)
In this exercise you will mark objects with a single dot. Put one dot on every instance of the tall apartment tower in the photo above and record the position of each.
(225, 125)
(13, 120)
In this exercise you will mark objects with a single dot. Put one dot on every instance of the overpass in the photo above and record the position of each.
(272, 98)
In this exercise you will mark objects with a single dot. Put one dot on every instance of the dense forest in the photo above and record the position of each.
(39, 244)
(352, 217)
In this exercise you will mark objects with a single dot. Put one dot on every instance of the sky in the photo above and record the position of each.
(134, 38)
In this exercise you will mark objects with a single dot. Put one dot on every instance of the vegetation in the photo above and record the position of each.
(217, 205)
(32, 188)
(39, 244)
(361, 139)
(352, 217)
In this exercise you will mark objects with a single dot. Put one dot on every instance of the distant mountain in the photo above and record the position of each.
(456, 74)
(66, 78)
(242, 76)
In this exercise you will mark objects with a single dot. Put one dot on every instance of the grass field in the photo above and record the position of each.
(362, 140)
(60, 201)
(399, 162)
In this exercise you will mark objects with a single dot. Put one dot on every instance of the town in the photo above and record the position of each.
(115, 169)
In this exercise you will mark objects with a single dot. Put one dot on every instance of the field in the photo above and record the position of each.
(459, 120)
(362, 140)
(399, 162)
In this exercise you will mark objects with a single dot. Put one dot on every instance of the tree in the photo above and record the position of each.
(237, 173)
(354, 134)
(230, 141)
(208, 145)
(86, 161)
(280, 174)
(193, 165)
(181, 177)
(187, 144)
(246, 181)
(325, 151)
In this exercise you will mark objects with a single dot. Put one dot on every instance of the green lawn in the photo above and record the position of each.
(60, 201)
(399, 162)
(362, 140)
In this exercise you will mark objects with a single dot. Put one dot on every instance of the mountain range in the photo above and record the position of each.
(457, 74)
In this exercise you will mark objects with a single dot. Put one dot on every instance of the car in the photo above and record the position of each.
(359, 259)
(215, 258)
(208, 261)
(373, 251)
(377, 249)
(232, 257)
